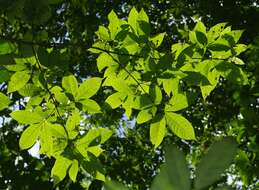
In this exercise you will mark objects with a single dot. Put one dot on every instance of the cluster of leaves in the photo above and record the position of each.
(48, 105)
(152, 86)
(156, 83)
(175, 174)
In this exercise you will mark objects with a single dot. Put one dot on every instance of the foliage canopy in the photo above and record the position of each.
(98, 101)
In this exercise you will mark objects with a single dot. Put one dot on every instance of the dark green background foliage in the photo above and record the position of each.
(62, 32)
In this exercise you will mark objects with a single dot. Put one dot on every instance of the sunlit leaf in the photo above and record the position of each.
(29, 136)
(73, 170)
(59, 170)
(18, 80)
(180, 126)
(4, 101)
(26, 117)
(69, 83)
(157, 131)
(89, 88)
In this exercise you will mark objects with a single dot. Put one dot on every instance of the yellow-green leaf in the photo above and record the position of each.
(26, 117)
(69, 83)
(73, 170)
(4, 101)
(180, 126)
(89, 88)
(157, 131)
(29, 136)
(158, 39)
(18, 80)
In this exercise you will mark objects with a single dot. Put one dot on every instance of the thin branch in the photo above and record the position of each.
(63, 45)
(119, 53)
(48, 90)
(129, 73)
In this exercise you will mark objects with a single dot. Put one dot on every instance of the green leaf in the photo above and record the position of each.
(26, 117)
(93, 134)
(6, 47)
(168, 86)
(57, 131)
(215, 162)
(105, 134)
(29, 136)
(161, 181)
(118, 84)
(224, 188)
(213, 77)
(146, 115)
(110, 185)
(4, 101)
(156, 94)
(180, 126)
(99, 47)
(133, 19)
(200, 27)
(72, 124)
(236, 34)
(219, 45)
(144, 26)
(18, 80)
(177, 102)
(46, 141)
(60, 96)
(239, 48)
(232, 72)
(53, 139)
(69, 83)
(115, 100)
(4, 76)
(177, 170)
(174, 174)
(114, 24)
(59, 170)
(89, 88)
(103, 33)
(90, 106)
(198, 35)
(13, 66)
(158, 39)
(215, 31)
(95, 150)
(29, 90)
(130, 44)
(237, 61)
(201, 37)
(73, 170)
(105, 60)
(157, 131)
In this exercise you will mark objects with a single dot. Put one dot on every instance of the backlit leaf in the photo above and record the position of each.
(89, 88)
(156, 94)
(4, 101)
(146, 115)
(157, 131)
(158, 39)
(69, 83)
(59, 170)
(180, 126)
(73, 170)
(18, 80)
(26, 117)
(29, 136)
